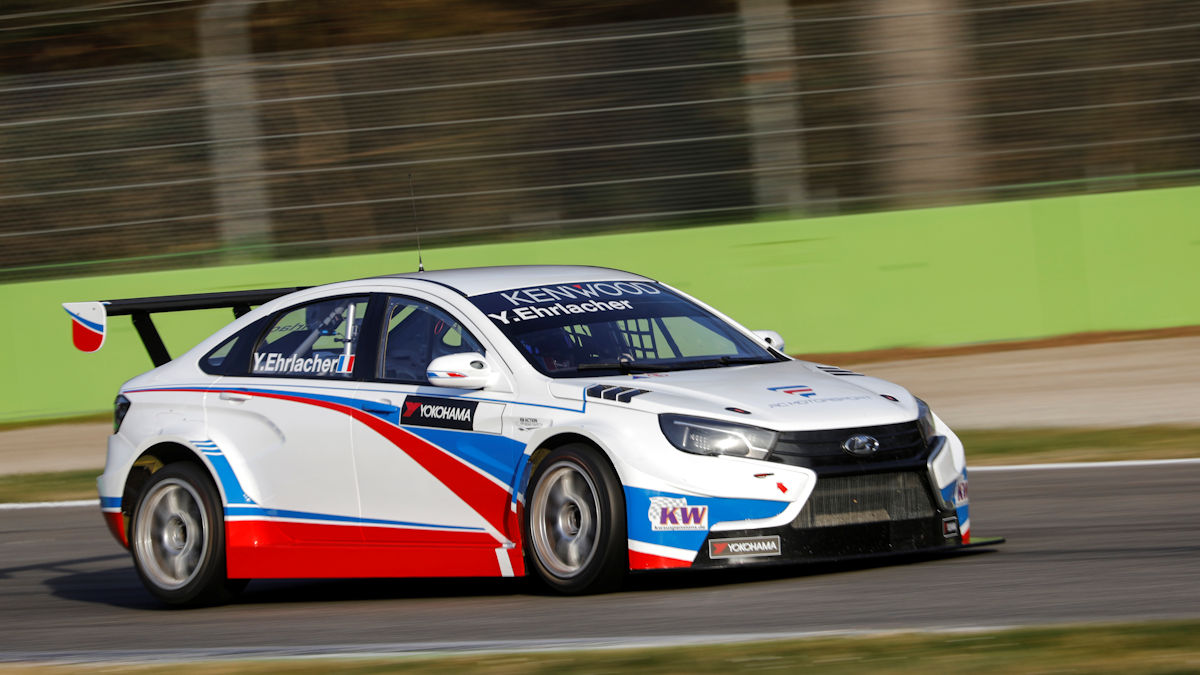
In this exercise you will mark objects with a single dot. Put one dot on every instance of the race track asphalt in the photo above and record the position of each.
(1084, 545)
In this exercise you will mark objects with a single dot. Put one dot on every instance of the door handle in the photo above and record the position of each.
(383, 406)
(234, 396)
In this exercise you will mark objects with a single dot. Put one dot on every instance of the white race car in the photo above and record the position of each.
(573, 423)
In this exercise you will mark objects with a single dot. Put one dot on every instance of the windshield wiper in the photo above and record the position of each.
(626, 367)
(741, 360)
(725, 361)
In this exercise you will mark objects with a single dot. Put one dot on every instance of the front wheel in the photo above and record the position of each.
(575, 522)
(178, 538)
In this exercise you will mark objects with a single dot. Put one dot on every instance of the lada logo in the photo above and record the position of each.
(861, 445)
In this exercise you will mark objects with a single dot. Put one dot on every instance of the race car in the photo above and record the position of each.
(570, 423)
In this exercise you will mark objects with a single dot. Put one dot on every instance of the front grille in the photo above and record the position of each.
(869, 498)
(822, 449)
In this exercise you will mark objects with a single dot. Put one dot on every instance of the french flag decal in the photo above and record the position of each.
(345, 363)
(87, 324)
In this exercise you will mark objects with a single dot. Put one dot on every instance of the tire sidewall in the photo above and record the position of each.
(208, 585)
(610, 561)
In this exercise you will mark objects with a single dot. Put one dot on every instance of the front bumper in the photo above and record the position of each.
(847, 516)
(790, 545)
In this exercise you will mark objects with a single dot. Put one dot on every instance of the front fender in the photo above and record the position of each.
(644, 459)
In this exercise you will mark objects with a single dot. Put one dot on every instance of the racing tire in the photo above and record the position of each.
(178, 538)
(574, 525)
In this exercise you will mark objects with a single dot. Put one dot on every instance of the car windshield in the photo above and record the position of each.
(604, 328)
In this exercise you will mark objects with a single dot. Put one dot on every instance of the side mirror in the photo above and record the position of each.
(468, 370)
(771, 339)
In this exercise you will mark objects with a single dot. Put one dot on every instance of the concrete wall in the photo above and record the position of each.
(941, 276)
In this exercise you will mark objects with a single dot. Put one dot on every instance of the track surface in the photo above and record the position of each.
(1084, 544)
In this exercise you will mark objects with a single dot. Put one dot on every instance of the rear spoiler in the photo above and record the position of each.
(89, 319)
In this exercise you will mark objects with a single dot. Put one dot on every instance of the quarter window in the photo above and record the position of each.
(217, 361)
(318, 339)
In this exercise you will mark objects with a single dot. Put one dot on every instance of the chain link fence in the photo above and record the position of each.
(777, 111)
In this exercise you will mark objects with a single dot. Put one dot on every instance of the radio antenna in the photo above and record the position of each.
(412, 199)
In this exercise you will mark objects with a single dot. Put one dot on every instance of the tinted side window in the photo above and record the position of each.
(217, 361)
(416, 333)
(318, 339)
(232, 356)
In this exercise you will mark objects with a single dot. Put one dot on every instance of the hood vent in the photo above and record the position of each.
(834, 370)
(610, 393)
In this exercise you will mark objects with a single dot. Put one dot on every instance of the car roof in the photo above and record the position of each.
(479, 280)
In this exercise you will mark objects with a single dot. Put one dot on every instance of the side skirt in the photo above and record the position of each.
(257, 549)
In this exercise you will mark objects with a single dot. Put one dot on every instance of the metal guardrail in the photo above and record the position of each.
(817, 109)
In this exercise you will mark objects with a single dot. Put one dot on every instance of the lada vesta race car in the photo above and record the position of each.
(571, 423)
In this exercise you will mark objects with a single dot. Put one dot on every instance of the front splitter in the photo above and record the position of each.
(788, 545)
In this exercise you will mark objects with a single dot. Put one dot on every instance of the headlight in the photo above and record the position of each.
(925, 420)
(702, 436)
(120, 407)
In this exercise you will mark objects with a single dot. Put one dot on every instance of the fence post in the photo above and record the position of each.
(772, 110)
(921, 57)
(236, 160)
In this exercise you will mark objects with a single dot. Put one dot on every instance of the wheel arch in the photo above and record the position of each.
(615, 561)
(551, 442)
(149, 462)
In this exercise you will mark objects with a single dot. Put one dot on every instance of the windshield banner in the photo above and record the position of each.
(537, 302)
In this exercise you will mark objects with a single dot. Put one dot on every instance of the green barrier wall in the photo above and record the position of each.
(925, 277)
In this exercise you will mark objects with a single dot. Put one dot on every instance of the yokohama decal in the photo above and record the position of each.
(443, 413)
(744, 547)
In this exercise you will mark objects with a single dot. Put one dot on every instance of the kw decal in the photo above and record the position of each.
(669, 513)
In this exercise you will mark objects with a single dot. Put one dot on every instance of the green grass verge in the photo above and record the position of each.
(1037, 446)
(1152, 647)
(55, 421)
(48, 487)
(984, 448)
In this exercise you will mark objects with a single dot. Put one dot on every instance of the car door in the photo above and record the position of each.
(433, 468)
(283, 421)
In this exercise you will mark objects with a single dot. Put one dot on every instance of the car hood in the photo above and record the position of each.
(791, 395)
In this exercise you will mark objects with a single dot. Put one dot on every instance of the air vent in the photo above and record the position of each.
(834, 370)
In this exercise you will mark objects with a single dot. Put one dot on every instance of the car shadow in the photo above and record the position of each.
(714, 577)
(120, 587)
(116, 584)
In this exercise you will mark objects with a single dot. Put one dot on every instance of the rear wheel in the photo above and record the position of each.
(575, 522)
(178, 538)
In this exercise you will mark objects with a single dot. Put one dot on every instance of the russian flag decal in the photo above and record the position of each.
(87, 324)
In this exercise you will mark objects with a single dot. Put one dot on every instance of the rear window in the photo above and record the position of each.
(318, 339)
